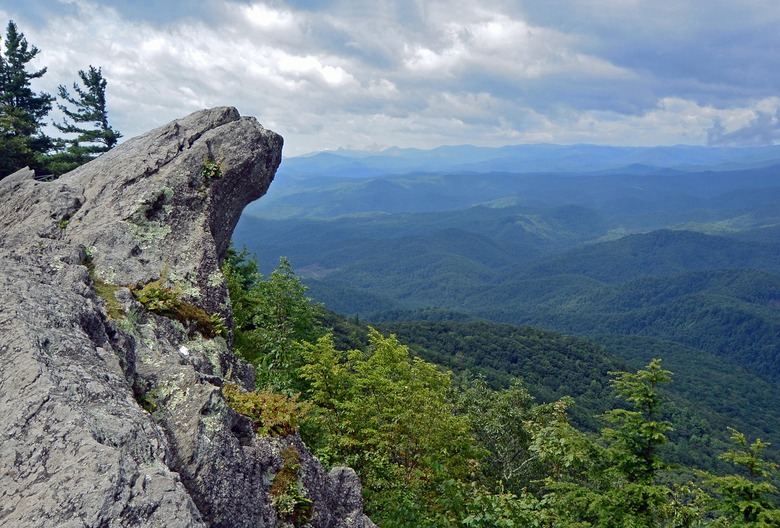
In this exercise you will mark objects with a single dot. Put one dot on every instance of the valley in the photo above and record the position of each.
(668, 253)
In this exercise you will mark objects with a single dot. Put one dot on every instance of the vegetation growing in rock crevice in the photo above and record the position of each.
(287, 495)
(107, 291)
(167, 302)
(211, 170)
(159, 299)
(103, 289)
(272, 414)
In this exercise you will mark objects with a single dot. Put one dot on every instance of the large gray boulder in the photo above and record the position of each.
(111, 415)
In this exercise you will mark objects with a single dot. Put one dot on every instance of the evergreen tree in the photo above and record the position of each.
(621, 486)
(89, 107)
(22, 143)
(272, 317)
(639, 432)
(745, 499)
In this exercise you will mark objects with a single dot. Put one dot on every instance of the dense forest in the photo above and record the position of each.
(558, 290)
(687, 257)
(478, 445)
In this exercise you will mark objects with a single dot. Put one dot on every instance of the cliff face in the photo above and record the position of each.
(111, 415)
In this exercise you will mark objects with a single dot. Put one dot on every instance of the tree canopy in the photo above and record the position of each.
(88, 107)
(22, 110)
(23, 141)
(433, 452)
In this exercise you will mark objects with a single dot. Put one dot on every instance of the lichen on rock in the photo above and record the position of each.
(113, 414)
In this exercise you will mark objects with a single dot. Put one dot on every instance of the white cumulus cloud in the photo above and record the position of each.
(409, 73)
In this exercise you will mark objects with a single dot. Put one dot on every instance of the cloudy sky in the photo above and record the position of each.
(359, 74)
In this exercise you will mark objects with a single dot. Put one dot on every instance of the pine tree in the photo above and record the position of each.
(621, 487)
(639, 431)
(89, 107)
(745, 499)
(22, 142)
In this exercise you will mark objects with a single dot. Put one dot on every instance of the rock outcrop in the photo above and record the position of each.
(112, 415)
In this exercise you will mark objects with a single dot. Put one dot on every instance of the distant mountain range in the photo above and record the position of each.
(526, 158)
(665, 252)
(605, 240)
(330, 184)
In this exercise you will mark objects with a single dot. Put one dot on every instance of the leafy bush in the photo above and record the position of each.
(388, 415)
(273, 414)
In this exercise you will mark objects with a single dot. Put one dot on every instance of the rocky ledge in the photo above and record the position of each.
(112, 415)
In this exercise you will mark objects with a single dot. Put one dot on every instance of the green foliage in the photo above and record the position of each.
(431, 453)
(89, 109)
(714, 293)
(211, 170)
(708, 394)
(89, 105)
(465, 504)
(147, 400)
(167, 302)
(505, 423)
(157, 298)
(620, 485)
(387, 415)
(272, 318)
(287, 495)
(273, 414)
(552, 366)
(104, 290)
(22, 111)
(743, 499)
(217, 325)
(639, 432)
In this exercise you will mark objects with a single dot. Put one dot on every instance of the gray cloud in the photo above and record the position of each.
(711, 51)
(339, 73)
(763, 130)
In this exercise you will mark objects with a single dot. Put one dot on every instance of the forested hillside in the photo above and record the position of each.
(493, 274)
(682, 252)
(716, 293)
(553, 366)
(483, 447)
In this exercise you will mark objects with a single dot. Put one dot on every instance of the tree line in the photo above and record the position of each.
(23, 141)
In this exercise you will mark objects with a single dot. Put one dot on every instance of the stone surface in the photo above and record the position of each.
(120, 421)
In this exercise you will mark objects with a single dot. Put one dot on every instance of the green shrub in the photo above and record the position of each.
(273, 414)
(211, 170)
